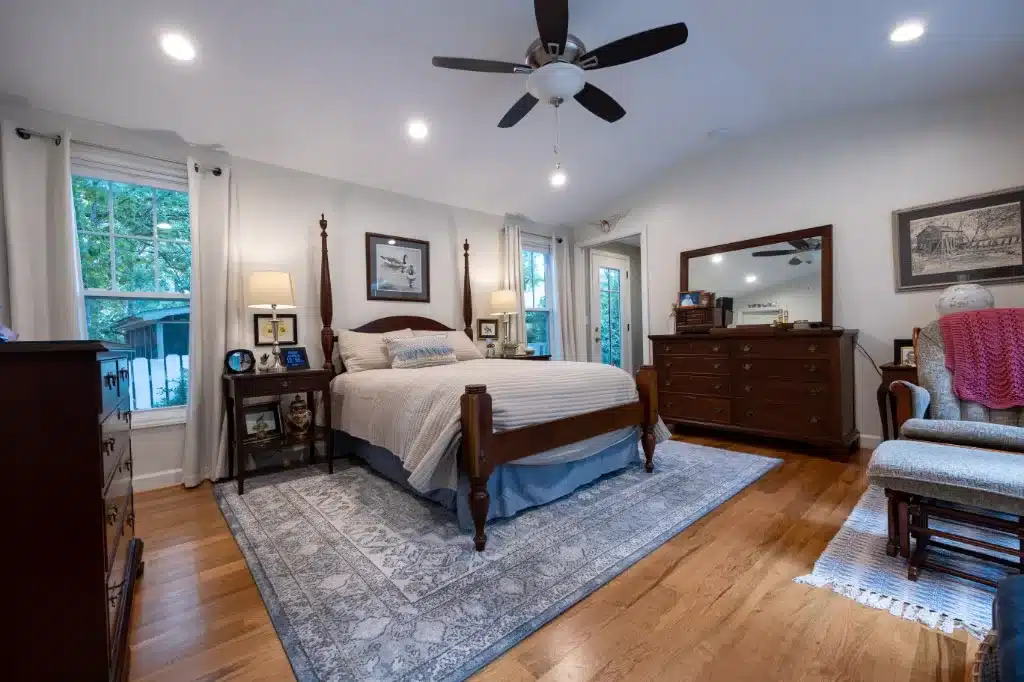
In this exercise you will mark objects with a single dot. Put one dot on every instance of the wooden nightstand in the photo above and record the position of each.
(886, 406)
(238, 387)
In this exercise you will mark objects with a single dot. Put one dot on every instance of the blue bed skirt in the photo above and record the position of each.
(512, 487)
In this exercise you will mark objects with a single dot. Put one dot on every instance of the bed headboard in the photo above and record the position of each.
(385, 324)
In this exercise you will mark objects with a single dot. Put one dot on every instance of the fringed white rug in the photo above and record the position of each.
(856, 566)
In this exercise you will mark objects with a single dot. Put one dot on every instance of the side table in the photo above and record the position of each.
(238, 387)
(886, 406)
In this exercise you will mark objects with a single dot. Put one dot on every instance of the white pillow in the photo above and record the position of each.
(419, 351)
(463, 346)
(360, 351)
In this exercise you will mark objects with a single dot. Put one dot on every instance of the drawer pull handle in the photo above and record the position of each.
(668, 363)
(813, 348)
(715, 349)
(815, 420)
(750, 413)
(746, 348)
(112, 515)
(717, 365)
(108, 446)
(719, 410)
(127, 416)
(284, 384)
(811, 368)
(748, 389)
(747, 366)
(115, 592)
(668, 404)
(123, 373)
(666, 349)
(110, 379)
(130, 520)
(718, 387)
(816, 391)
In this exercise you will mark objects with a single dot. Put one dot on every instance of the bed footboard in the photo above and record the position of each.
(482, 449)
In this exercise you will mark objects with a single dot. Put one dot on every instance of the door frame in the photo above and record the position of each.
(625, 305)
(580, 269)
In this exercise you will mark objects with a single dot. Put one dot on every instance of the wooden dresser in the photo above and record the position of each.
(68, 511)
(794, 385)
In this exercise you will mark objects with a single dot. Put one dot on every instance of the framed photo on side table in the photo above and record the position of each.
(397, 269)
(903, 353)
(287, 329)
(974, 239)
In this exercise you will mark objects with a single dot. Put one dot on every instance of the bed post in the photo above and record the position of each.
(326, 300)
(477, 429)
(467, 293)
(647, 388)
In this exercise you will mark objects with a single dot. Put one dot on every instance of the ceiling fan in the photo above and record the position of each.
(557, 60)
(799, 246)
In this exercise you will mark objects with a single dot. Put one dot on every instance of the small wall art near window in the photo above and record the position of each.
(397, 269)
(287, 329)
(486, 329)
(974, 239)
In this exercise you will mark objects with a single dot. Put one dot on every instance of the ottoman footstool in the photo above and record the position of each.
(925, 481)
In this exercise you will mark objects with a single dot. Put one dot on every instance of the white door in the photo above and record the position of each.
(609, 310)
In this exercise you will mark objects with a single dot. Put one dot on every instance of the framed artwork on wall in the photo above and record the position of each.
(974, 239)
(486, 329)
(397, 269)
(287, 329)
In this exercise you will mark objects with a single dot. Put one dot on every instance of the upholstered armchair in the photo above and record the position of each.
(932, 411)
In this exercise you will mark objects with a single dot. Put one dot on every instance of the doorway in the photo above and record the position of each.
(614, 303)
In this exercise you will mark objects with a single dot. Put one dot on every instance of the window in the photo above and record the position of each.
(537, 283)
(135, 245)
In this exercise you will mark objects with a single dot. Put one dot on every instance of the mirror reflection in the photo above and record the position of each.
(774, 282)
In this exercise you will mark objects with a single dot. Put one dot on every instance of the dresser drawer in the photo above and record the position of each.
(274, 385)
(118, 567)
(693, 407)
(109, 387)
(116, 501)
(702, 347)
(115, 436)
(780, 348)
(792, 392)
(693, 364)
(798, 420)
(697, 384)
(780, 368)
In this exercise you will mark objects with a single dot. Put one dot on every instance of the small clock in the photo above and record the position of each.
(239, 361)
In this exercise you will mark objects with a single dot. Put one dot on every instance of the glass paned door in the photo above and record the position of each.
(609, 309)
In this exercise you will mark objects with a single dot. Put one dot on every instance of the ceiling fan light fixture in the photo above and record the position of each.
(417, 130)
(558, 177)
(907, 32)
(557, 81)
(750, 279)
(177, 47)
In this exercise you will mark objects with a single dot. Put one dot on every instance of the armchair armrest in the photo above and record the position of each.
(911, 402)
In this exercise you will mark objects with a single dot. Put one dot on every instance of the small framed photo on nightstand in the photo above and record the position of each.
(294, 358)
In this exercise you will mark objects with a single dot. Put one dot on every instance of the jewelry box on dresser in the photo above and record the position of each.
(68, 509)
(787, 383)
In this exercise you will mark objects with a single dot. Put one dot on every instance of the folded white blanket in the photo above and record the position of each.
(416, 413)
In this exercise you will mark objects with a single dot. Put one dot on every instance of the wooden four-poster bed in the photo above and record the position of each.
(481, 449)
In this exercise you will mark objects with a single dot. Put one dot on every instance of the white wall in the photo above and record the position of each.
(851, 172)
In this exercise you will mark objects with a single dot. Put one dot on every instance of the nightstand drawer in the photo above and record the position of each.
(281, 382)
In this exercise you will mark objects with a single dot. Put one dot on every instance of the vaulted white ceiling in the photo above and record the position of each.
(327, 86)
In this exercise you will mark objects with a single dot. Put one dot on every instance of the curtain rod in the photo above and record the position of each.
(25, 134)
(542, 236)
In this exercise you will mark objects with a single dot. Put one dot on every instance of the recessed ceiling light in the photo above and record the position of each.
(751, 279)
(177, 46)
(558, 178)
(717, 258)
(907, 32)
(163, 226)
(417, 130)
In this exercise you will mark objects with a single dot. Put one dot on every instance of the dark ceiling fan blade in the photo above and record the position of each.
(600, 103)
(800, 244)
(774, 253)
(634, 47)
(795, 261)
(552, 24)
(481, 65)
(518, 111)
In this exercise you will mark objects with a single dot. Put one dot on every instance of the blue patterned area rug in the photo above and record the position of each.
(365, 581)
(856, 566)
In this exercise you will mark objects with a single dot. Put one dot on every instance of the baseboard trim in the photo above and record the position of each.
(157, 479)
(869, 442)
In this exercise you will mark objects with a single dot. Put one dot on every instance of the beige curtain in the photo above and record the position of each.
(564, 347)
(512, 276)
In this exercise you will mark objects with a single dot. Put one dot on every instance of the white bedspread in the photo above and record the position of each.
(416, 413)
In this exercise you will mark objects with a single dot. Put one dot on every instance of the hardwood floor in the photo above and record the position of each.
(717, 602)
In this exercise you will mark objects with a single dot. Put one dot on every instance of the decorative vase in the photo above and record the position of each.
(298, 418)
(961, 297)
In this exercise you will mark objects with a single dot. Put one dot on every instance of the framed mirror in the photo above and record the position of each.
(784, 276)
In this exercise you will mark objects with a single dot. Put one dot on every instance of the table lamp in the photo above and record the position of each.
(270, 291)
(504, 302)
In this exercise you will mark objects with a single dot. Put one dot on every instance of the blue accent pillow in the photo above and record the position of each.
(420, 351)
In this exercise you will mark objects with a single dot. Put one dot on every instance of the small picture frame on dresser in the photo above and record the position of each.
(903, 353)
(689, 299)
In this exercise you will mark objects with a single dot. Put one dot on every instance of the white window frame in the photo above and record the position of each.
(535, 245)
(101, 164)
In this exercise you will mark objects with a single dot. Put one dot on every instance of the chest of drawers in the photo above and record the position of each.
(795, 385)
(68, 509)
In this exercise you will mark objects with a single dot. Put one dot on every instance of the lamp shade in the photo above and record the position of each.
(267, 289)
(504, 302)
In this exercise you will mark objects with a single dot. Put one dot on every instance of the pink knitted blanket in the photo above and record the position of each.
(985, 353)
